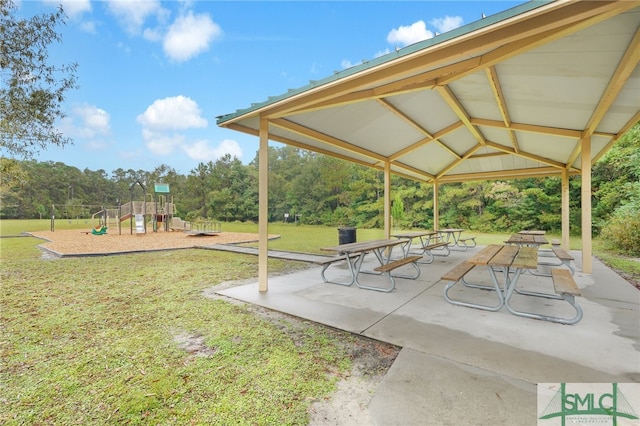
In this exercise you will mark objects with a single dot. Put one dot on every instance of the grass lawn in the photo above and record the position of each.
(132, 339)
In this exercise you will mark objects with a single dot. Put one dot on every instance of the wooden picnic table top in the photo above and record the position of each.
(484, 256)
(527, 239)
(531, 232)
(413, 234)
(364, 246)
(506, 256)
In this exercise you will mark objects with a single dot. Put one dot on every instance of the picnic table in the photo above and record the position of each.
(426, 245)
(531, 240)
(354, 253)
(531, 232)
(512, 261)
(453, 236)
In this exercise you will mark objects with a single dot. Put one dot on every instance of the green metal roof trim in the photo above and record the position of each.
(465, 29)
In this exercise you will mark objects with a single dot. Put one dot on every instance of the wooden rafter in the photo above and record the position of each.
(301, 145)
(413, 170)
(530, 128)
(391, 107)
(313, 134)
(503, 174)
(526, 155)
(422, 81)
(455, 163)
(459, 110)
(623, 71)
(434, 138)
(635, 119)
(498, 95)
(619, 78)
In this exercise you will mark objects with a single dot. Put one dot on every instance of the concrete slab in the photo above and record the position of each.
(494, 358)
(421, 389)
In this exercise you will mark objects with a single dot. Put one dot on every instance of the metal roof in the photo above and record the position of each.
(512, 95)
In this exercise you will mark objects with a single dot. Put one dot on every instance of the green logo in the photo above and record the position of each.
(586, 404)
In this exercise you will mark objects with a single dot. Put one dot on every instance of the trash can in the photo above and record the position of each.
(346, 235)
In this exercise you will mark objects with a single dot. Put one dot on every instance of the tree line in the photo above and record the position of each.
(318, 189)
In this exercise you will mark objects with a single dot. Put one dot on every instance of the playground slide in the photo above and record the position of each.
(99, 231)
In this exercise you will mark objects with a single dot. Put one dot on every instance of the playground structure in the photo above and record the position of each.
(154, 210)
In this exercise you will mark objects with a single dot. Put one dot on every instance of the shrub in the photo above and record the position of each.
(622, 232)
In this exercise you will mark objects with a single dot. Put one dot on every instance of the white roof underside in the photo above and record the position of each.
(511, 99)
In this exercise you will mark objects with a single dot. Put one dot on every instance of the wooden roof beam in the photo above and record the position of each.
(623, 71)
(503, 174)
(530, 128)
(413, 170)
(625, 129)
(423, 81)
(313, 134)
(501, 101)
(459, 110)
(434, 138)
(527, 155)
(410, 121)
(453, 164)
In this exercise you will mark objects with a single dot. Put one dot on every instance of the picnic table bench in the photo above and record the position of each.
(354, 254)
(563, 259)
(513, 259)
(427, 247)
(453, 236)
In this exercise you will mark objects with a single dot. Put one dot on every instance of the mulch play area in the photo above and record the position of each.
(79, 242)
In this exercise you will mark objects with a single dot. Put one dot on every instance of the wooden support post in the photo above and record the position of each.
(565, 209)
(436, 214)
(586, 204)
(263, 203)
(387, 199)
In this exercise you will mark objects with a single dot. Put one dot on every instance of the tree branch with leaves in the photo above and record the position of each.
(31, 89)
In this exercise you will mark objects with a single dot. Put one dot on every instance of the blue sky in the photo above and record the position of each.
(154, 75)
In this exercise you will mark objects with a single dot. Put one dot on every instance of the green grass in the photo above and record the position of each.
(94, 341)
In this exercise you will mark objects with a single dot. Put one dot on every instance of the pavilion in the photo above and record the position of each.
(542, 89)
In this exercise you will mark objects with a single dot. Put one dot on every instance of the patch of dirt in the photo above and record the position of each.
(194, 345)
(76, 242)
(371, 359)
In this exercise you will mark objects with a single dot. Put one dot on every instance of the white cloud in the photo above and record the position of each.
(382, 53)
(189, 36)
(132, 14)
(202, 152)
(406, 35)
(88, 27)
(72, 8)
(346, 64)
(152, 34)
(86, 122)
(448, 23)
(177, 112)
(95, 120)
(165, 121)
(161, 143)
